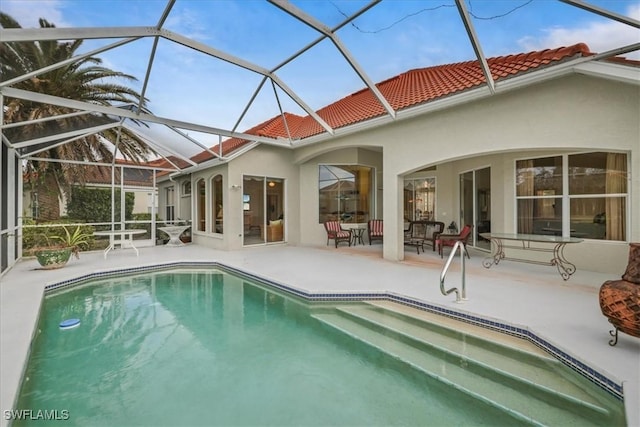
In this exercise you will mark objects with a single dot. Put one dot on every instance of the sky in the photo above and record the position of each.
(392, 37)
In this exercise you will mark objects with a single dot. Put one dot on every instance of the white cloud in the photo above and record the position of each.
(23, 12)
(599, 36)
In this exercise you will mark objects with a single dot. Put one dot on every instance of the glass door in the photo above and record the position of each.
(263, 210)
(475, 204)
(420, 199)
(275, 210)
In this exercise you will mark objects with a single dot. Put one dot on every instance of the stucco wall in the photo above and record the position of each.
(272, 162)
(263, 160)
(568, 115)
(207, 238)
(571, 114)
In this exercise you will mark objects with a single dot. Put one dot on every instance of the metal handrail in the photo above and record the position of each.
(463, 252)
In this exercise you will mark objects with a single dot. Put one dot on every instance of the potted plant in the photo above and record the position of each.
(60, 247)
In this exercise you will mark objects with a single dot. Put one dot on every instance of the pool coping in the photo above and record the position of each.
(611, 386)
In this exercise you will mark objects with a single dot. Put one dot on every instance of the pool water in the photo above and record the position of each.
(211, 348)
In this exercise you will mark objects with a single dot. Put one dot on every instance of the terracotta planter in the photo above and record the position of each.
(620, 299)
(53, 258)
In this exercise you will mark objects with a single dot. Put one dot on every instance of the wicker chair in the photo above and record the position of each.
(620, 299)
(337, 233)
(374, 229)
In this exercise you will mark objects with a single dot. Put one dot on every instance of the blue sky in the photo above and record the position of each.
(392, 37)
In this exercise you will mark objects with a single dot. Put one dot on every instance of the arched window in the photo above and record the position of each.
(217, 204)
(201, 222)
(170, 204)
(186, 188)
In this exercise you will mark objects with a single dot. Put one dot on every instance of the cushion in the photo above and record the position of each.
(275, 222)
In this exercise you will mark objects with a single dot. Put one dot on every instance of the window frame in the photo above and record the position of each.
(200, 205)
(186, 189)
(371, 195)
(566, 197)
(217, 196)
(35, 205)
(170, 208)
(431, 215)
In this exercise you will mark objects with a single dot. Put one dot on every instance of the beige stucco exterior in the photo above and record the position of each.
(571, 114)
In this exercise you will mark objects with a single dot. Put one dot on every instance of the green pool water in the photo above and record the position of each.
(210, 348)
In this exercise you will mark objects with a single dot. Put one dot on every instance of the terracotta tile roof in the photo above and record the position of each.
(427, 84)
(408, 89)
(132, 177)
(273, 128)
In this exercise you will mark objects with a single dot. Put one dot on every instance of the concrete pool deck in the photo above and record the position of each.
(566, 314)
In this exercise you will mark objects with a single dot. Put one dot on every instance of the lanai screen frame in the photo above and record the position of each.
(11, 158)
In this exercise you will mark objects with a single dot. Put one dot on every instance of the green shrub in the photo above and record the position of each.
(94, 204)
(142, 226)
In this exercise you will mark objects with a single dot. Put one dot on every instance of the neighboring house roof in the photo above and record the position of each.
(99, 175)
(409, 89)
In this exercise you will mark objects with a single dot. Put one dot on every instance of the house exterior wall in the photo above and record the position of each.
(570, 114)
(51, 204)
(263, 160)
(273, 162)
(207, 238)
(182, 202)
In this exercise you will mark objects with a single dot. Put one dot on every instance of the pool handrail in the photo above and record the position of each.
(463, 251)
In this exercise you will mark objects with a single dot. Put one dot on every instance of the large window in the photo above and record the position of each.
(581, 195)
(216, 199)
(170, 195)
(346, 193)
(201, 220)
(420, 199)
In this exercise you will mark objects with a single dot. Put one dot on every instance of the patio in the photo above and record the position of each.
(511, 292)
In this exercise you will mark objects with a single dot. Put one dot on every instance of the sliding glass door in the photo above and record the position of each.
(475, 204)
(263, 210)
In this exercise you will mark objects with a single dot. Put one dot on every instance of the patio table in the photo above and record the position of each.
(124, 238)
(565, 268)
(357, 231)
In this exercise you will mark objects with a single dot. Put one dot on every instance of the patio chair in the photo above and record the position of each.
(413, 237)
(443, 240)
(429, 230)
(337, 233)
(374, 229)
(620, 299)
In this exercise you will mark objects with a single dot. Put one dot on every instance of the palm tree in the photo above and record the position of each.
(84, 80)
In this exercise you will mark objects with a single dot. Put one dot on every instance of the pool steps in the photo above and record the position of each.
(525, 383)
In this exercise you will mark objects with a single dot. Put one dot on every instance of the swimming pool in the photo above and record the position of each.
(196, 347)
